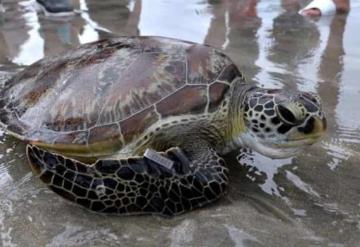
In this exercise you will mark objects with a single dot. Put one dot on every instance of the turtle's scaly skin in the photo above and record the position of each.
(157, 114)
(94, 100)
(136, 185)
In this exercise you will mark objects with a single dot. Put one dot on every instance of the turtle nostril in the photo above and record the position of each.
(286, 115)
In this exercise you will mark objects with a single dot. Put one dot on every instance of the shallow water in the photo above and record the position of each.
(312, 199)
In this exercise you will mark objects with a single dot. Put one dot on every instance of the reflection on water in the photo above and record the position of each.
(32, 49)
(311, 199)
(158, 18)
(89, 32)
(241, 238)
(262, 165)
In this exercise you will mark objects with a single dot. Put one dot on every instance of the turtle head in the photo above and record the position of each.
(278, 123)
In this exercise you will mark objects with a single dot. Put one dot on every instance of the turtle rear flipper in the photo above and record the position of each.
(136, 185)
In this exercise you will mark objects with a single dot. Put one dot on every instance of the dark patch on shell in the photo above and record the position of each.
(104, 132)
(217, 92)
(135, 125)
(230, 73)
(190, 99)
(75, 137)
(205, 64)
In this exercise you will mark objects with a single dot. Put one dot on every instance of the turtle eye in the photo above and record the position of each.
(286, 115)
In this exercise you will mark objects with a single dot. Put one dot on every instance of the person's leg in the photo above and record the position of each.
(342, 6)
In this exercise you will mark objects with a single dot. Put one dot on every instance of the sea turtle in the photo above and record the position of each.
(136, 125)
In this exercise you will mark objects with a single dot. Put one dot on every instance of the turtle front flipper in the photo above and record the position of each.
(136, 185)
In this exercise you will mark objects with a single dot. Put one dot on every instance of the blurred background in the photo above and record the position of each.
(312, 199)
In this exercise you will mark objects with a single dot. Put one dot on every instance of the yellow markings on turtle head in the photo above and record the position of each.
(238, 125)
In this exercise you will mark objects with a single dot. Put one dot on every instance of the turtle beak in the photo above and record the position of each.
(320, 126)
